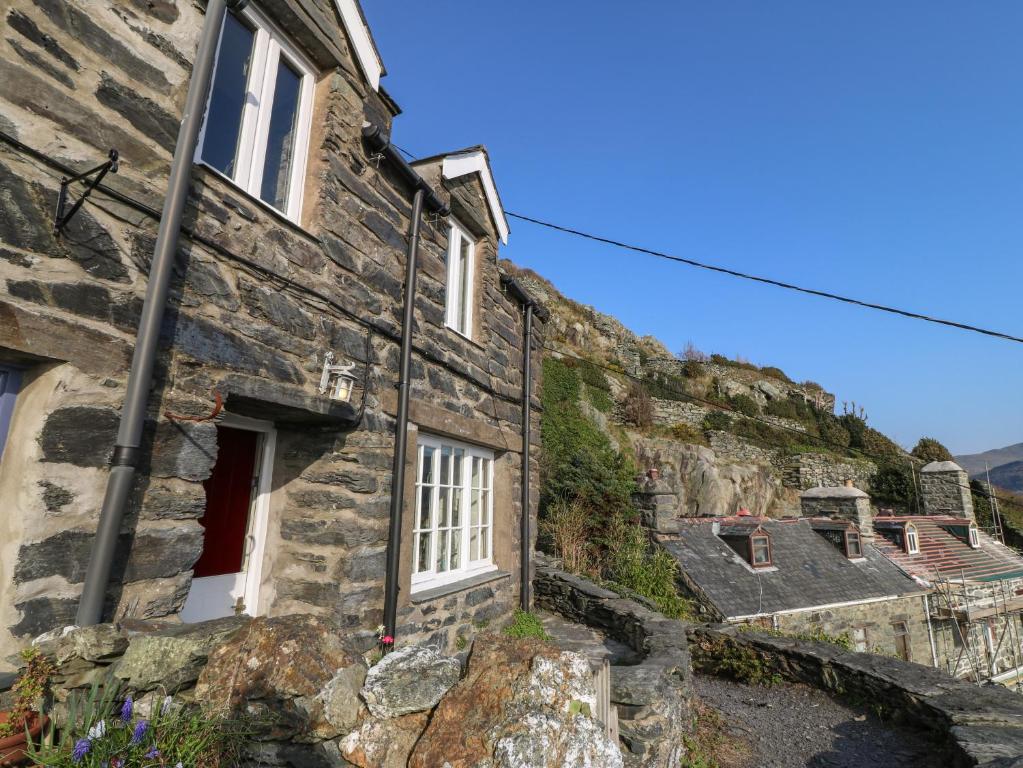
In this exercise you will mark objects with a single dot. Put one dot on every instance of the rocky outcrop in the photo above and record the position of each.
(522, 704)
(410, 679)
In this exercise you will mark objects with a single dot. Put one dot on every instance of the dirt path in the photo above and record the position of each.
(793, 726)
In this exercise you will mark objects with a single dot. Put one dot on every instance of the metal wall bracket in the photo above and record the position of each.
(60, 217)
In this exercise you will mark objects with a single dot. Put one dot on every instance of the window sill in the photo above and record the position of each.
(209, 172)
(435, 593)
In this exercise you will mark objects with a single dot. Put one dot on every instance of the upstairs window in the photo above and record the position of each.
(760, 550)
(453, 530)
(853, 546)
(461, 253)
(912, 541)
(10, 380)
(256, 130)
(974, 536)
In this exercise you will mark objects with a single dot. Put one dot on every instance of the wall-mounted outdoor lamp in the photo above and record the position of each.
(337, 381)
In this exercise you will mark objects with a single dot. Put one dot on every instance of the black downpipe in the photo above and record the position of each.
(424, 197)
(527, 397)
(140, 376)
(401, 428)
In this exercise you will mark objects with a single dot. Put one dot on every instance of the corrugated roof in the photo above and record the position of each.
(808, 571)
(944, 554)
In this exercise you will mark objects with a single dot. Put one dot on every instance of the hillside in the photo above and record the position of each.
(1008, 476)
(974, 463)
(723, 434)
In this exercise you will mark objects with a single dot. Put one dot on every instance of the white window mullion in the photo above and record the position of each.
(262, 127)
(304, 128)
(251, 113)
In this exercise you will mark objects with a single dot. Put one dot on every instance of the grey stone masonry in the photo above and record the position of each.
(657, 502)
(841, 503)
(945, 490)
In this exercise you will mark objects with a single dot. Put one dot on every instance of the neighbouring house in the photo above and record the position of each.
(931, 588)
(263, 480)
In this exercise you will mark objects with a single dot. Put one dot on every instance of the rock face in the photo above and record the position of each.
(384, 743)
(410, 679)
(300, 671)
(521, 705)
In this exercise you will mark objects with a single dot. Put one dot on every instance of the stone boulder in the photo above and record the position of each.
(300, 674)
(410, 679)
(522, 704)
(384, 743)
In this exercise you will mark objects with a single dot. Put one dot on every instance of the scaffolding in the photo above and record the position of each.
(979, 627)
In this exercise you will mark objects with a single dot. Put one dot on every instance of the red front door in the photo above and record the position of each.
(228, 499)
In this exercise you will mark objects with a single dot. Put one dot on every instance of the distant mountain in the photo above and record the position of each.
(973, 463)
(1008, 476)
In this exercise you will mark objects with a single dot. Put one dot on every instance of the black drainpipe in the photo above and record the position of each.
(424, 195)
(140, 377)
(515, 288)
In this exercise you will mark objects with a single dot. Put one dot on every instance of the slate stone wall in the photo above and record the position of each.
(255, 303)
(812, 470)
(979, 725)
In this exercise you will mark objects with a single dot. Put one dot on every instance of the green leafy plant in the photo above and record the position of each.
(599, 399)
(29, 689)
(104, 730)
(647, 571)
(567, 528)
(717, 421)
(776, 373)
(526, 624)
(638, 409)
(687, 433)
(929, 449)
(745, 405)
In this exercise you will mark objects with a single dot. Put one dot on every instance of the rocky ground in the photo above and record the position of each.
(793, 726)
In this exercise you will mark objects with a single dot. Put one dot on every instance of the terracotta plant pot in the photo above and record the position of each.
(12, 748)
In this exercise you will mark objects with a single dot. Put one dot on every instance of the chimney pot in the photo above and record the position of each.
(848, 483)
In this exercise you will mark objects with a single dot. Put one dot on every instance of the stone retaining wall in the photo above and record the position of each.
(652, 697)
(812, 470)
(980, 726)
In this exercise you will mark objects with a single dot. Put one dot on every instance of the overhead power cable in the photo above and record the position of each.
(767, 280)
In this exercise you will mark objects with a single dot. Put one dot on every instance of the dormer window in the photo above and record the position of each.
(256, 129)
(974, 536)
(853, 545)
(912, 540)
(461, 253)
(760, 550)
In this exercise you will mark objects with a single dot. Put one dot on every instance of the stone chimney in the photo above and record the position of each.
(840, 503)
(657, 502)
(945, 490)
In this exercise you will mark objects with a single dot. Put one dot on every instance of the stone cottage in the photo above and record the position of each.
(262, 481)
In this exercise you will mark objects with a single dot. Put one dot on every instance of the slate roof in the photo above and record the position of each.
(808, 571)
(944, 554)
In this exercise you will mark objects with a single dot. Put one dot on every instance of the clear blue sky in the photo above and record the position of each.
(869, 148)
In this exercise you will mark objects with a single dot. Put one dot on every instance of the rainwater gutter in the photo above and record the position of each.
(125, 457)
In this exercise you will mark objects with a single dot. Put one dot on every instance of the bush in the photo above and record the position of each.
(745, 405)
(785, 409)
(600, 399)
(591, 374)
(717, 421)
(892, 484)
(566, 527)
(101, 730)
(832, 432)
(777, 373)
(666, 387)
(692, 369)
(878, 445)
(578, 462)
(638, 408)
(720, 359)
(632, 564)
(685, 433)
(693, 355)
(929, 449)
(526, 624)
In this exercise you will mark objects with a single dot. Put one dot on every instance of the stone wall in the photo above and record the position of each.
(734, 448)
(255, 303)
(812, 470)
(652, 697)
(980, 726)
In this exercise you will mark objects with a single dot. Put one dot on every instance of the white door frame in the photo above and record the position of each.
(246, 583)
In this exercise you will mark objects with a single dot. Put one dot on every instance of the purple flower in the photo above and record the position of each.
(152, 753)
(126, 710)
(82, 747)
(139, 733)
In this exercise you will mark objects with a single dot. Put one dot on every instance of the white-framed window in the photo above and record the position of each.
(256, 128)
(461, 257)
(853, 546)
(974, 536)
(912, 540)
(453, 532)
(760, 550)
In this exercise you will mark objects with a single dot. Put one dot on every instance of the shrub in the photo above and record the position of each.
(693, 355)
(600, 399)
(929, 449)
(777, 373)
(29, 689)
(103, 731)
(785, 409)
(686, 433)
(877, 444)
(832, 432)
(717, 421)
(745, 405)
(720, 359)
(692, 369)
(526, 624)
(650, 573)
(567, 528)
(591, 374)
(638, 408)
(666, 387)
(892, 484)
